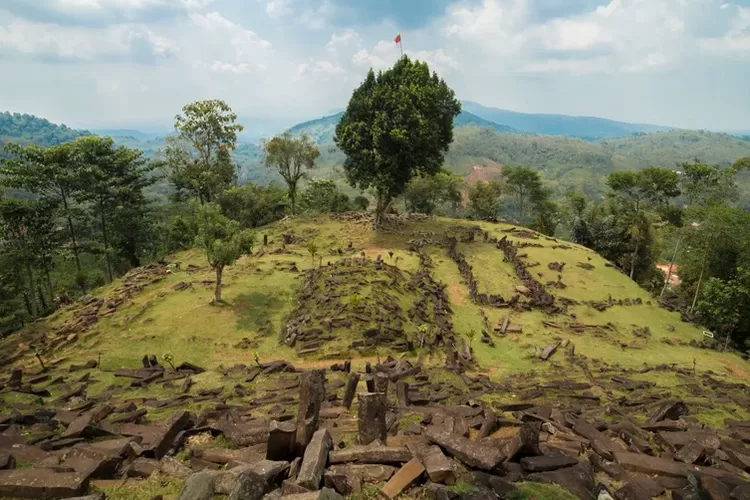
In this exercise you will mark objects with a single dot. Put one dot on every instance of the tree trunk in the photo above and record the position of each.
(32, 298)
(671, 265)
(219, 272)
(72, 233)
(42, 302)
(293, 197)
(632, 261)
(106, 242)
(700, 280)
(49, 284)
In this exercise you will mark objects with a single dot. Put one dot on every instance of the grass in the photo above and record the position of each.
(260, 292)
(538, 491)
(158, 485)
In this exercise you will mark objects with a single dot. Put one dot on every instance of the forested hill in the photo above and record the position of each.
(28, 129)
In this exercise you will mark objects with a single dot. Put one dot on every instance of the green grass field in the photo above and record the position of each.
(260, 292)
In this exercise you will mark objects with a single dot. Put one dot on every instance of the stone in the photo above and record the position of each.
(142, 467)
(169, 429)
(501, 487)
(669, 410)
(647, 464)
(242, 434)
(314, 460)
(322, 494)
(312, 393)
(715, 488)
(436, 464)
(351, 389)
(403, 478)
(281, 441)
(92, 463)
(524, 442)
(741, 492)
(345, 483)
(471, 453)
(41, 483)
(289, 487)
(402, 393)
(631, 491)
(739, 460)
(95, 496)
(600, 443)
(249, 486)
(370, 455)
(371, 417)
(547, 463)
(199, 486)
(174, 468)
(488, 424)
(578, 480)
(690, 453)
(7, 461)
(612, 469)
(371, 473)
(679, 439)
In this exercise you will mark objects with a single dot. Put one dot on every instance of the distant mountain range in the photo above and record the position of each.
(503, 120)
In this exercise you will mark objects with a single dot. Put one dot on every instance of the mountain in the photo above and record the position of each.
(30, 129)
(323, 129)
(585, 127)
(116, 133)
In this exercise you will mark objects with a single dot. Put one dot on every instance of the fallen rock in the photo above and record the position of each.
(371, 417)
(403, 478)
(41, 483)
(322, 494)
(345, 483)
(578, 480)
(249, 486)
(174, 468)
(281, 441)
(370, 455)
(547, 463)
(371, 473)
(437, 465)
(472, 453)
(314, 460)
(199, 486)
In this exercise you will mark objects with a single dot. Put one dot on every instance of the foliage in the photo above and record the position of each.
(222, 240)
(312, 249)
(199, 157)
(291, 157)
(321, 196)
(425, 194)
(704, 184)
(181, 233)
(399, 123)
(523, 182)
(253, 205)
(725, 306)
(29, 129)
(361, 202)
(484, 200)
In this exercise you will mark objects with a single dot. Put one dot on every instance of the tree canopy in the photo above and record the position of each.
(291, 157)
(399, 123)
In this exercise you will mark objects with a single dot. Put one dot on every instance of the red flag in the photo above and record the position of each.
(398, 38)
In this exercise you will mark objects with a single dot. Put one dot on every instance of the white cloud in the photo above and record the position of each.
(64, 42)
(279, 8)
(347, 42)
(736, 41)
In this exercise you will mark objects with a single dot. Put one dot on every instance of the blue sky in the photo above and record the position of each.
(134, 63)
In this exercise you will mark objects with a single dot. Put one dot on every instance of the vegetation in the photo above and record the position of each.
(199, 155)
(29, 129)
(291, 157)
(398, 124)
(425, 194)
(484, 200)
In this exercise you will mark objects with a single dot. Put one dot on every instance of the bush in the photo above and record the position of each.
(361, 203)
(252, 205)
(323, 196)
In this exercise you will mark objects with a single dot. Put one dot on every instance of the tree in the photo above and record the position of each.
(291, 157)
(425, 193)
(253, 205)
(49, 172)
(323, 196)
(704, 184)
(112, 180)
(28, 230)
(484, 200)
(725, 306)
(199, 157)
(524, 183)
(399, 123)
(223, 241)
(361, 202)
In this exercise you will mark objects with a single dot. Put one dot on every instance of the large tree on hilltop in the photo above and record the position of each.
(399, 123)
(199, 157)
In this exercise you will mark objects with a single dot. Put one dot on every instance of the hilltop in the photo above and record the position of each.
(465, 318)
(29, 129)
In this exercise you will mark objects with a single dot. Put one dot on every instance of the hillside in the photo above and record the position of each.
(584, 127)
(552, 334)
(323, 129)
(29, 129)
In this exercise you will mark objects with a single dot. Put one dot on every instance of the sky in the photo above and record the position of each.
(135, 63)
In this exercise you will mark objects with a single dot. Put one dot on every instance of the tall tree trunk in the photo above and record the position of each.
(632, 261)
(72, 233)
(700, 280)
(48, 279)
(293, 196)
(42, 302)
(106, 242)
(32, 291)
(219, 273)
(671, 265)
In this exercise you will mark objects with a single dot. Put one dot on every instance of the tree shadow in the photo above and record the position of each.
(256, 310)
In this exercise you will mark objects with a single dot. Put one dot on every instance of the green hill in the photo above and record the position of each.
(29, 129)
